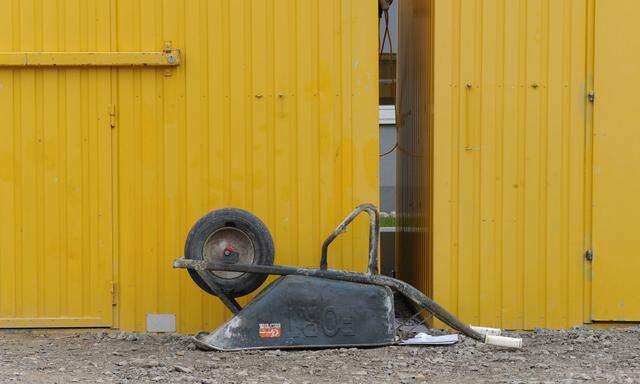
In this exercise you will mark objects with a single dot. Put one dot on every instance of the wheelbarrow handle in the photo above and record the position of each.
(374, 235)
(411, 293)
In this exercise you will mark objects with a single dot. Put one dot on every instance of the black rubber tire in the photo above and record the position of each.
(248, 223)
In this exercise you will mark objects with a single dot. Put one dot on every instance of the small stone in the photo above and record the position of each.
(180, 368)
(143, 363)
(132, 338)
(360, 373)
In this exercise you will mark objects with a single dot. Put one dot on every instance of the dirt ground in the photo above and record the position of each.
(578, 355)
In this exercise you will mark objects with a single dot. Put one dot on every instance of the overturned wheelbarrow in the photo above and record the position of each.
(230, 252)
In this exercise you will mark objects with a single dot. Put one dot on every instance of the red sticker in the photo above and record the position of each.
(270, 330)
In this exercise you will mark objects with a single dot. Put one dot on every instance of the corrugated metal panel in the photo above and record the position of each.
(273, 109)
(616, 159)
(509, 161)
(414, 142)
(55, 177)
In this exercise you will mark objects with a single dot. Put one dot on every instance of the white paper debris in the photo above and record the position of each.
(424, 339)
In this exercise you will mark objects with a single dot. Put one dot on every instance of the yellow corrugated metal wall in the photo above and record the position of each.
(509, 109)
(55, 170)
(273, 109)
(616, 161)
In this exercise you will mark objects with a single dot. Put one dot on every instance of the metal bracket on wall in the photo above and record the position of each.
(166, 58)
(113, 116)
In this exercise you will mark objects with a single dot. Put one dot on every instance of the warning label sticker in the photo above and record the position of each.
(270, 330)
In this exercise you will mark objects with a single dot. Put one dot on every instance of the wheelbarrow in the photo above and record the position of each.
(229, 253)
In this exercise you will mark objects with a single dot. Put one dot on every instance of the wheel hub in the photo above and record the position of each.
(229, 245)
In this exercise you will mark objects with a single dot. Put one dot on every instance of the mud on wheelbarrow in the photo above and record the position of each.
(229, 253)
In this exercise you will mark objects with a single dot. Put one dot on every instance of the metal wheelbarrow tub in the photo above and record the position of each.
(229, 253)
(308, 312)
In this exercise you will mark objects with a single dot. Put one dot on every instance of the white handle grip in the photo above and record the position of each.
(486, 330)
(503, 341)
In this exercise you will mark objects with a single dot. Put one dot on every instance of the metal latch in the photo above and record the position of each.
(591, 96)
(113, 115)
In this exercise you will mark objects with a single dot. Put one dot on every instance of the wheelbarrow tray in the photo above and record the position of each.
(308, 312)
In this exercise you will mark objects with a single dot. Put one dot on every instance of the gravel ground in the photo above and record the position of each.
(578, 355)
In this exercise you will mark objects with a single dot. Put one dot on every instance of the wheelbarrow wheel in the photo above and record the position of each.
(231, 236)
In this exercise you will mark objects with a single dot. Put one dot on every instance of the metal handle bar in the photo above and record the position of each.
(374, 233)
(405, 289)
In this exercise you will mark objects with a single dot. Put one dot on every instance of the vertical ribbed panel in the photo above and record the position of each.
(414, 142)
(55, 172)
(508, 161)
(273, 110)
(616, 161)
